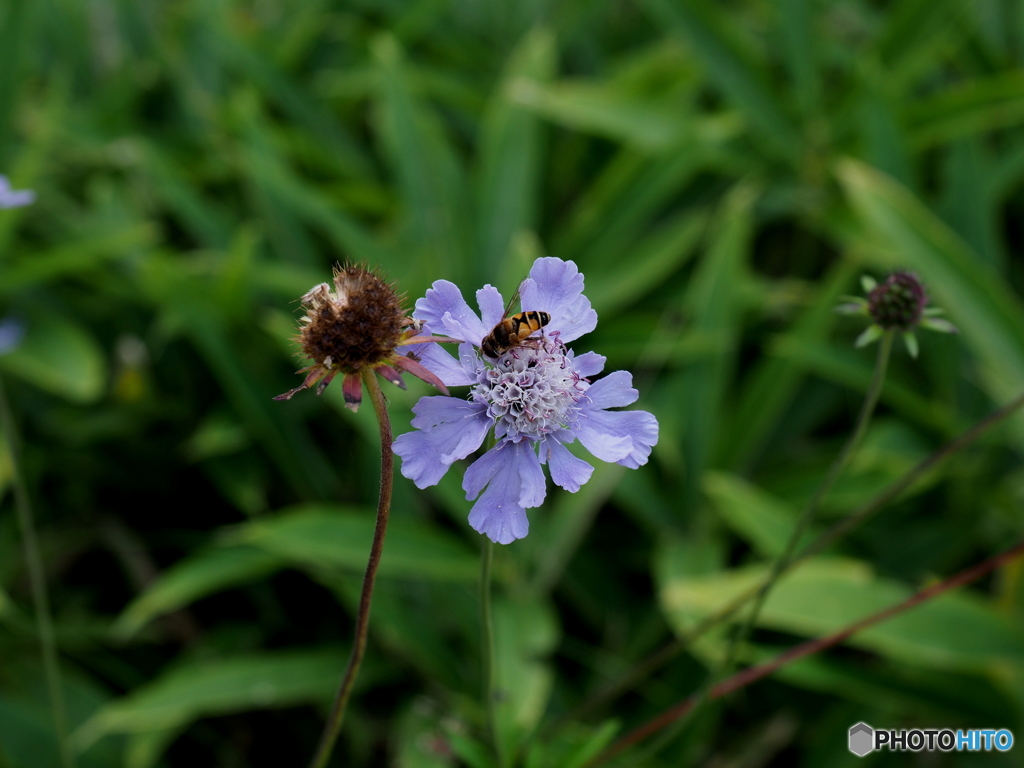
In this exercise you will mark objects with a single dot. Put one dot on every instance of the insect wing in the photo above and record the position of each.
(512, 301)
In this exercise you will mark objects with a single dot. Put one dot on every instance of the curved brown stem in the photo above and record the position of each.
(752, 674)
(673, 649)
(387, 474)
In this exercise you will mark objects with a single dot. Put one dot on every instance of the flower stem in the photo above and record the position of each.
(487, 646)
(783, 561)
(333, 725)
(37, 577)
(809, 511)
(808, 648)
(835, 533)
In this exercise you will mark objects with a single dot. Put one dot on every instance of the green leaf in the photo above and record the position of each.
(59, 356)
(885, 141)
(713, 299)
(417, 737)
(825, 595)
(429, 175)
(81, 255)
(595, 740)
(187, 300)
(851, 368)
(335, 537)
(625, 206)
(27, 735)
(914, 34)
(561, 530)
(525, 634)
(979, 105)
(305, 109)
(970, 196)
(765, 521)
(415, 619)
(271, 173)
(210, 688)
(204, 217)
(768, 389)
(730, 65)
(144, 750)
(472, 752)
(649, 125)
(801, 50)
(918, 692)
(510, 155)
(573, 746)
(17, 21)
(651, 262)
(678, 557)
(202, 574)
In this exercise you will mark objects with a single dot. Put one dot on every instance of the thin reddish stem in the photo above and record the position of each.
(670, 651)
(387, 461)
(755, 673)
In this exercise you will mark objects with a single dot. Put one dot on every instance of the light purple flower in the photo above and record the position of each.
(536, 396)
(11, 198)
(12, 331)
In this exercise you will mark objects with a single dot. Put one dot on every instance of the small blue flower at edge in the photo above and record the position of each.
(12, 330)
(11, 198)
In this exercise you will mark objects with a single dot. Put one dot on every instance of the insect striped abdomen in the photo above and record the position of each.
(512, 330)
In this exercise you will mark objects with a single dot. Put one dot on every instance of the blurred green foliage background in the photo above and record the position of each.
(720, 171)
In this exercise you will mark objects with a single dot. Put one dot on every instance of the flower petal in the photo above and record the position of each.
(508, 460)
(588, 364)
(435, 358)
(556, 287)
(870, 334)
(910, 340)
(567, 471)
(625, 437)
(290, 393)
(12, 331)
(514, 480)
(470, 361)
(939, 324)
(444, 307)
(328, 379)
(351, 388)
(480, 472)
(448, 429)
(492, 307)
(498, 520)
(613, 391)
(420, 371)
(390, 374)
(11, 198)
(315, 372)
(605, 445)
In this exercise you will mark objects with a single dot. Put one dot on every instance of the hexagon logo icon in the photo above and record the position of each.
(862, 739)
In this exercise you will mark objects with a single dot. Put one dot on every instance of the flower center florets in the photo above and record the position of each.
(530, 390)
(898, 302)
(355, 326)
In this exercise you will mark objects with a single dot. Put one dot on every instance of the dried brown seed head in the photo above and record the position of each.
(357, 325)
